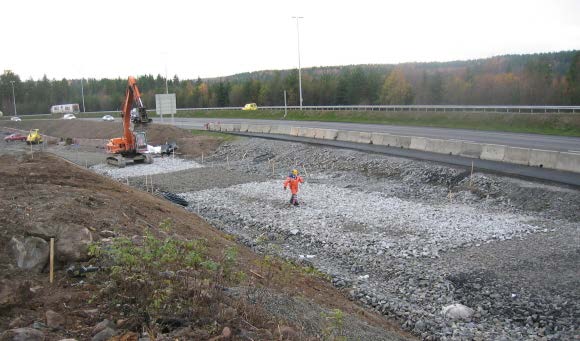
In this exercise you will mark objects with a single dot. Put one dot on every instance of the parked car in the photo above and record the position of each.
(250, 106)
(108, 118)
(15, 119)
(15, 137)
(69, 117)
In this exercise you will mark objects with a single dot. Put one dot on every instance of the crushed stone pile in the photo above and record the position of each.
(159, 166)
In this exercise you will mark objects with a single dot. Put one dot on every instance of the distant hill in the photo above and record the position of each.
(559, 61)
(529, 79)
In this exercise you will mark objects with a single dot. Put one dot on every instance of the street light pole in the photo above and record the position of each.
(83, 94)
(299, 68)
(166, 87)
(13, 97)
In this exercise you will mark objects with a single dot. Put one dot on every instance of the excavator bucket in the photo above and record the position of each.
(140, 116)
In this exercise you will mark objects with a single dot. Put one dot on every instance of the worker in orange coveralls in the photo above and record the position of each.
(293, 180)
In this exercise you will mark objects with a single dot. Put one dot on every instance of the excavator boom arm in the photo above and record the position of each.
(132, 98)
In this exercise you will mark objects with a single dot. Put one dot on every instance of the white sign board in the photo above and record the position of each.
(165, 105)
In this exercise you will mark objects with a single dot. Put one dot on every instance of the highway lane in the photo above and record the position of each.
(536, 141)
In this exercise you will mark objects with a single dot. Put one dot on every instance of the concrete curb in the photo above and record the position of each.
(521, 156)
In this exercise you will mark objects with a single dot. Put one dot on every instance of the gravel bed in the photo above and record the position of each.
(370, 222)
(384, 248)
(159, 166)
(406, 237)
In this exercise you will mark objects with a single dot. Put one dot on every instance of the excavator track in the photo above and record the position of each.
(117, 161)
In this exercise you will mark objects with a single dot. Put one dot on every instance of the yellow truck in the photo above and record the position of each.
(34, 137)
(250, 106)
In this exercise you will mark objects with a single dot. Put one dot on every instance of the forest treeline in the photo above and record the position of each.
(534, 79)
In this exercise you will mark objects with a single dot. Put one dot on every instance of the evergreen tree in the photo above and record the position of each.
(573, 81)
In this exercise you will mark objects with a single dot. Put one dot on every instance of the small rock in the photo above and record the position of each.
(226, 335)
(420, 326)
(22, 334)
(107, 234)
(38, 325)
(294, 232)
(457, 311)
(90, 313)
(103, 325)
(104, 334)
(227, 332)
(53, 319)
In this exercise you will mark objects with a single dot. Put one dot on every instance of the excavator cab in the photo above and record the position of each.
(140, 141)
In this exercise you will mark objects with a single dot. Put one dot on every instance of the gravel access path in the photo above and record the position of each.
(159, 166)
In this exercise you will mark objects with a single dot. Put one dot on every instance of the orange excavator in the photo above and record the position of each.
(133, 145)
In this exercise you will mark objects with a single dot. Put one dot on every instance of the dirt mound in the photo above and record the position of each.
(156, 133)
(189, 145)
(47, 190)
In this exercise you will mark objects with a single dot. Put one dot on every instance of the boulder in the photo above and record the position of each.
(72, 244)
(457, 311)
(31, 253)
(22, 334)
(71, 240)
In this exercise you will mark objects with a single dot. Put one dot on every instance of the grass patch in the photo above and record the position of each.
(158, 282)
(563, 124)
(221, 136)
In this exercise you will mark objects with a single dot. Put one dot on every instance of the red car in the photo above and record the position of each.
(15, 137)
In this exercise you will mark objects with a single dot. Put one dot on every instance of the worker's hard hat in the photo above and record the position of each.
(295, 171)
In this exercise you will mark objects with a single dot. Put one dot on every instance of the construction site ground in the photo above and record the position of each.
(39, 187)
(401, 237)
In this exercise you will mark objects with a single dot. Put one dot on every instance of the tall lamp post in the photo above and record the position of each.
(299, 68)
(83, 94)
(13, 97)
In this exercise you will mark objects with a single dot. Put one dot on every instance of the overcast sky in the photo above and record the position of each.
(115, 38)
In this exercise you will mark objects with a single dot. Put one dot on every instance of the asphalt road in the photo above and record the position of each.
(536, 141)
